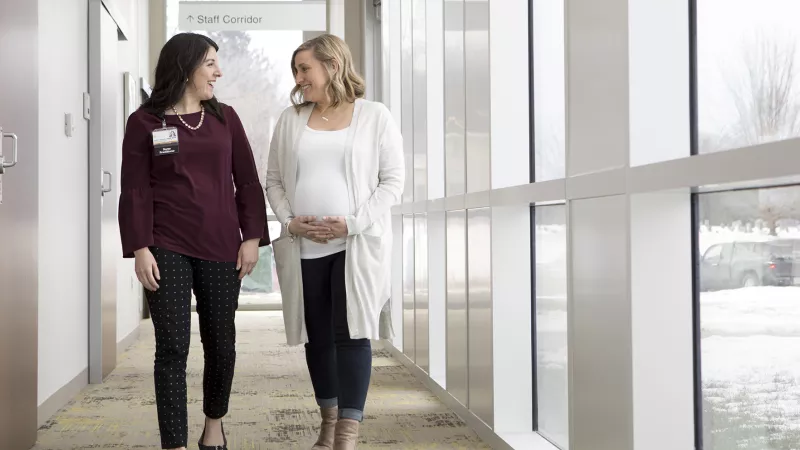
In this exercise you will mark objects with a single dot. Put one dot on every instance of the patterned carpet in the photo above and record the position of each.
(272, 404)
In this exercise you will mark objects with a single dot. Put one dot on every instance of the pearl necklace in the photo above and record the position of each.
(202, 117)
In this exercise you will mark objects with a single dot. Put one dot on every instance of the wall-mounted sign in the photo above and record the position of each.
(306, 15)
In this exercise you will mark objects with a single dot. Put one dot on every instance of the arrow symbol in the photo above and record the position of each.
(190, 18)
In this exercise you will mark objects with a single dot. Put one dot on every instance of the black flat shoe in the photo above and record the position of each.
(213, 447)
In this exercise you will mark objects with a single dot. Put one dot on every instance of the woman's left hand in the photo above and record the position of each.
(248, 257)
(337, 225)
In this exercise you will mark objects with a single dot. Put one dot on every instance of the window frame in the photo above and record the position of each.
(694, 125)
(696, 255)
(534, 352)
(531, 101)
(697, 260)
(532, 207)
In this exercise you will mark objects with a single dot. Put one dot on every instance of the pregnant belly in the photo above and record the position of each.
(321, 201)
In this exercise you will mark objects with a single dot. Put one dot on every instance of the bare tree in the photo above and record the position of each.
(776, 204)
(766, 100)
(250, 84)
(765, 92)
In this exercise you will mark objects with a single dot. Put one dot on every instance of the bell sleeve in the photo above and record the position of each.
(250, 202)
(135, 212)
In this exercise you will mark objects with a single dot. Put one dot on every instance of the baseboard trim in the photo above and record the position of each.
(62, 396)
(127, 341)
(476, 424)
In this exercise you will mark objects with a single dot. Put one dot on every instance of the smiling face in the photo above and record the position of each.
(311, 76)
(201, 83)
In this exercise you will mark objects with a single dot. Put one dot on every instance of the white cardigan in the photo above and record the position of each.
(375, 171)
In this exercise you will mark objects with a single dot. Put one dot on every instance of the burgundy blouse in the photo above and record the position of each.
(201, 202)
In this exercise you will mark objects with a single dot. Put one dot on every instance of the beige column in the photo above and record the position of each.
(308, 35)
(158, 34)
(336, 17)
(346, 20)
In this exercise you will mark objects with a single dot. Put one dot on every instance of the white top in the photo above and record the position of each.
(375, 171)
(321, 185)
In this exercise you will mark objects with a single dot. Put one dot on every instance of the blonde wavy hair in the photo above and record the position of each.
(345, 84)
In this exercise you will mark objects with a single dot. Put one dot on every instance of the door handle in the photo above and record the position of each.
(14, 155)
(103, 188)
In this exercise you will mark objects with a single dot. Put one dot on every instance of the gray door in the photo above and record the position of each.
(105, 85)
(19, 220)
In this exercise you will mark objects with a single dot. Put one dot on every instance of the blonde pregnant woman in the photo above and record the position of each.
(335, 170)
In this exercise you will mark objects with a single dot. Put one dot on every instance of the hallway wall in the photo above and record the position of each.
(63, 203)
(133, 59)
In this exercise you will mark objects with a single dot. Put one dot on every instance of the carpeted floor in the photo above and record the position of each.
(272, 404)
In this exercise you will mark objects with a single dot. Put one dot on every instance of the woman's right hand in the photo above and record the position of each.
(309, 228)
(147, 269)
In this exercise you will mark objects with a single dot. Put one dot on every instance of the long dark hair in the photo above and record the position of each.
(179, 59)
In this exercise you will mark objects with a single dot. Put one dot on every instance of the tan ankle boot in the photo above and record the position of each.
(346, 434)
(327, 428)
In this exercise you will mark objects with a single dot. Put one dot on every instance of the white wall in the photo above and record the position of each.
(63, 205)
(133, 58)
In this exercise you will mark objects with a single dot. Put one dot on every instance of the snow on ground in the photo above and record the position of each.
(765, 310)
(750, 364)
(750, 334)
(750, 347)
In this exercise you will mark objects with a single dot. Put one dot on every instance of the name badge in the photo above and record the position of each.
(165, 141)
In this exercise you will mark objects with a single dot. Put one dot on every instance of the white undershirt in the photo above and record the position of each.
(321, 185)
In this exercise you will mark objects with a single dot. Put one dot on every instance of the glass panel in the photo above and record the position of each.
(454, 101)
(457, 331)
(480, 340)
(550, 284)
(261, 288)
(407, 96)
(409, 334)
(749, 274)
(419, 96)
(478, 102)
(748, 72)
(548, 89)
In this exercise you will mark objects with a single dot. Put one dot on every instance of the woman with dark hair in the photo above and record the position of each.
(192, 212)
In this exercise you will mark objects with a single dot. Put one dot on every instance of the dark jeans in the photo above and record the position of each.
(216, 287)
(340, 367)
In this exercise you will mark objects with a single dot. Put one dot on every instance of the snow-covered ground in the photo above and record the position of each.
(750, 349)
(750, 352)
(751, 368)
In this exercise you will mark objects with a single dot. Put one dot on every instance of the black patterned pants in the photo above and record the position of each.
(216, 286)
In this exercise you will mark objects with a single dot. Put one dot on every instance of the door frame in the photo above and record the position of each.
(95, 181)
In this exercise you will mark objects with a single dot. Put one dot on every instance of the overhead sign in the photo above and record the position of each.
(306, 15)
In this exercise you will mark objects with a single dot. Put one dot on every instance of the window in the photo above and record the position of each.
(550, 309)
(748, 72)
(713, 254)
(548, 93)
(749, 318)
